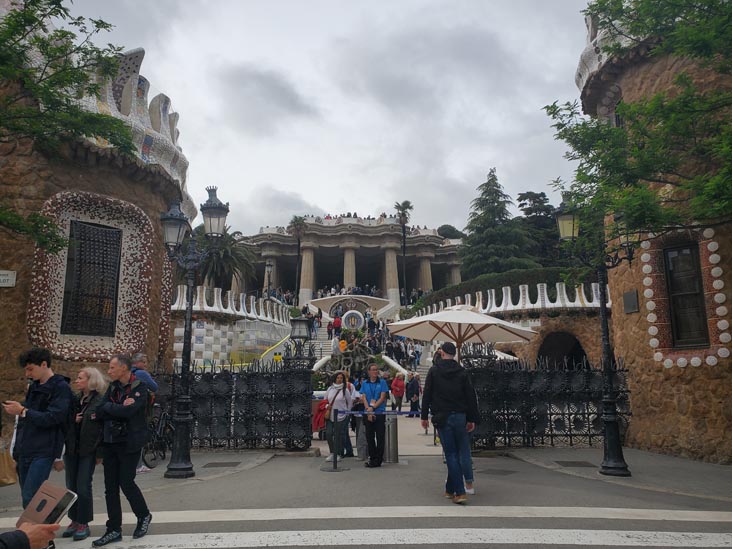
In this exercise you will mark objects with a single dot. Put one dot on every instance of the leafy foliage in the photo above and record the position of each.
(403, 212)
(448, 231)
(43, 74)
(669, 163)
(296, 228)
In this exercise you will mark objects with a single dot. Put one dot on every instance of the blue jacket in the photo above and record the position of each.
(41, 432)
(146, 378)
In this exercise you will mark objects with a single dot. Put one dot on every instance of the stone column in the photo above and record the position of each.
(425, 273)
(349, 267)
(307, 276)
(392, 275)
(455, 277)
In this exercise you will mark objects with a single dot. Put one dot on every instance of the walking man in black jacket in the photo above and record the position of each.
(44, 414)
(450, 397)
(124, 434)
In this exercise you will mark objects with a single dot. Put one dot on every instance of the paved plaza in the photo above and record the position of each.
(525, 498)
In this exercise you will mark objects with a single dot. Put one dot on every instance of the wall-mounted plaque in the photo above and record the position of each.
(630, 302)
(7, 279)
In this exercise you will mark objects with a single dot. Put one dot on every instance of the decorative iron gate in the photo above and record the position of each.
(542, 405)
(263, 405)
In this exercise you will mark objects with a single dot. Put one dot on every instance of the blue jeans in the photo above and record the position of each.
(79, 476)
(32, 472)
(455, 440)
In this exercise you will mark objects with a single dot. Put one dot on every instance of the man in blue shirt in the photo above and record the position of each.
(373, 393)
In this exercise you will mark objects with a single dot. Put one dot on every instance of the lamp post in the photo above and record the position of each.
(268, 266)
(613, 462)
(177, 230)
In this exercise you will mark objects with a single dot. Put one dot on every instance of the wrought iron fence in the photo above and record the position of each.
(261, 405)
(543, 404)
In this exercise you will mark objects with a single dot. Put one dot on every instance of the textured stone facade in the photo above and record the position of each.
(681, 398)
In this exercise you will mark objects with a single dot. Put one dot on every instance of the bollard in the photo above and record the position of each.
(391, 448)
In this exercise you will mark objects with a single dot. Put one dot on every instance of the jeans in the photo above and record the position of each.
(119, 472)
(375, 435)
(454, 439)
(336, 430)
(79, 475)
(32, 472)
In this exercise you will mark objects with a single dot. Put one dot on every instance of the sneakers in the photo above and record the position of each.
(462, 498)
(143, 469)
(110, 536)
(329, 458)
(70, 529)
(82, 532)
(470, 488)
(142, 525)
(448, 495)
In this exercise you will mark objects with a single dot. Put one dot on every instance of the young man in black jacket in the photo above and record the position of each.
(124, 434)
(44, 414)
(450, 397)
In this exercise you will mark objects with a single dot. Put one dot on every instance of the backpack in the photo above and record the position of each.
(149, 405)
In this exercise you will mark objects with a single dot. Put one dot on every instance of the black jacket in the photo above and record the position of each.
(41, 432)
(413, 388)
(82, 439)
(15, 539)
(124, 424)
(448, 388)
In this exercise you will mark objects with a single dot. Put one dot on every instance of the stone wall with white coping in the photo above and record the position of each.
(228, 323)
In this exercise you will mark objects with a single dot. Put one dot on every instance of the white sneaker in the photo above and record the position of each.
(329, 458)
(143, 469)
(470, 491)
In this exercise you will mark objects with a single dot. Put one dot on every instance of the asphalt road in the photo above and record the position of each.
(255, 499)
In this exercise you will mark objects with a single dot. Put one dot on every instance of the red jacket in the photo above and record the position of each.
(398, 387)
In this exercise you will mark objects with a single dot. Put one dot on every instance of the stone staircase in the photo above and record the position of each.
(322, 341)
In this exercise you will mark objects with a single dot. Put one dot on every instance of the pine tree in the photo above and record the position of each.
(495, 243)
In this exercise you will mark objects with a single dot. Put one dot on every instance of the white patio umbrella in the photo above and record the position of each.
(461, 324)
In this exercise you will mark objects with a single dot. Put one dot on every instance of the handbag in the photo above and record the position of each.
(8, 470)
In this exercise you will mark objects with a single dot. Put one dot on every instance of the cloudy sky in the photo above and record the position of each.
(333, 106)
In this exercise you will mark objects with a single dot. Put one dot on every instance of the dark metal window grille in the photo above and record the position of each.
(92, 278)
(686, 296)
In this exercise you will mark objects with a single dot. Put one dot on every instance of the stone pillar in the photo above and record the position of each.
(392, 275)
(425, 273)
(455, 277)
(349, 267)
(307, 276)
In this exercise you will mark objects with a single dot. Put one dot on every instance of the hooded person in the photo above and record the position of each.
(450, 398)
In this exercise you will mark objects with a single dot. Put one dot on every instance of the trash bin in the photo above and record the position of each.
(391, 448)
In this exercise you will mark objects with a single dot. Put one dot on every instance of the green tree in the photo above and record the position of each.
(403, 212)
(494, 242)
(296, 228)
(43, 73)
(448, 231)
(541, 226)
(669, 163)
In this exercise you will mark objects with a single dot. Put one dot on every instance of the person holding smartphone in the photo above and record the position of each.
(29, 536)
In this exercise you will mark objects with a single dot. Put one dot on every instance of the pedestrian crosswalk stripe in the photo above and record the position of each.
(425, 536)
(443, 511)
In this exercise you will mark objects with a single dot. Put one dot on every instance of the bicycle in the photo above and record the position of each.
(161, 437)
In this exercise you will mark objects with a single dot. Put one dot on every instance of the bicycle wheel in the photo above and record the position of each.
(150, 454)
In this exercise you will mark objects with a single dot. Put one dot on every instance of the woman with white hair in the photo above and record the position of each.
(82, 439)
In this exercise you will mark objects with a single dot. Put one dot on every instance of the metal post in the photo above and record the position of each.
(391, 448)
(613, 462)
(180, 465)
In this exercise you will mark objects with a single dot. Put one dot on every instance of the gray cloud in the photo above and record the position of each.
(268, 206)
(261, 100)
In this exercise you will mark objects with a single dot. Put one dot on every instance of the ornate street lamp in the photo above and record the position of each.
(177, 231)
(613, 462)
(268, 266)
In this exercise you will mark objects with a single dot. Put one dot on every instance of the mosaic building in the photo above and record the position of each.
(671, 317)
(110, 290)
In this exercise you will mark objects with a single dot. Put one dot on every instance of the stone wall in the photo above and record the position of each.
(28, 179)
(681, 398)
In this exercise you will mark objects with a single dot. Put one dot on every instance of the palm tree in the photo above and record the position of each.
(402, 210)
(228, 258)
(297, 229)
